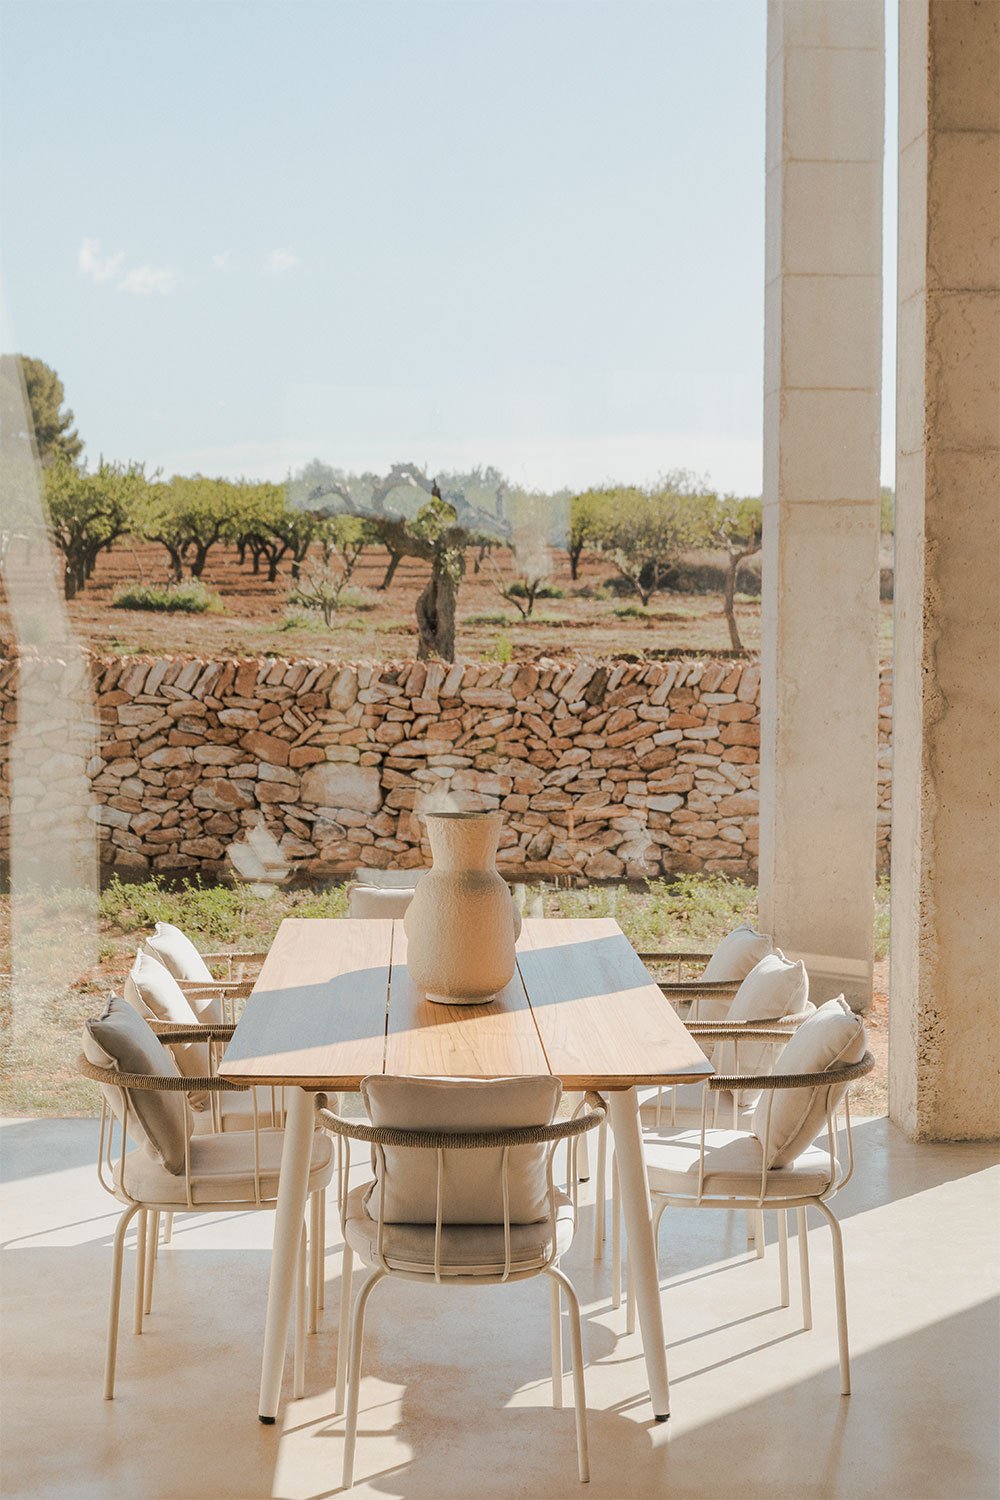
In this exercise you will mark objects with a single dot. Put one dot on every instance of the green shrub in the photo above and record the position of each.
(632, 612)
(189, 598)
(489, 620)
(502, 650)
(519, 590)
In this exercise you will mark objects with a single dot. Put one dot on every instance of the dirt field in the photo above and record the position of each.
(257, 618)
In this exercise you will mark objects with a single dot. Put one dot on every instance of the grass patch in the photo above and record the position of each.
(882, 894)
(693, 911)
(489, 619)
(502, 650)
(190, 598)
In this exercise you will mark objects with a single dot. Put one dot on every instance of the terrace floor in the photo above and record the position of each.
(456, 1399)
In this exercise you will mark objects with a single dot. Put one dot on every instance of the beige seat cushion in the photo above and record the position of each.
(472, 1179)
(774, 988)
(735, 956)
(222, 1170)
(733, 1160)
(159, 1120)
(466, 1249)
(367, 902)
(832, 1037)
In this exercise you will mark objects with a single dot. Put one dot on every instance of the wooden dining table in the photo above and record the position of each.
(334, 1003)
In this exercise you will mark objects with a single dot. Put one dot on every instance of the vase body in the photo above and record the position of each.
(462, 923)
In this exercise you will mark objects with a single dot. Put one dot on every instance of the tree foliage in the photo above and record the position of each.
(643, 531)
(189, 516)
(88, 512)
(56, 439)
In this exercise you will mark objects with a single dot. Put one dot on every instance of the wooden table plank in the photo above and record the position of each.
(499, 1040)
(317, 1014)
(602, 1020)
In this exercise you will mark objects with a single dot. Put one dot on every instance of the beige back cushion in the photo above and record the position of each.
(179, 955)
(366, 901)
(774, 988)
(831, 1038)
(387, 880)
(735, 956)
(153, 991)
(473, 1192)
(159, 1120)
(173, 948)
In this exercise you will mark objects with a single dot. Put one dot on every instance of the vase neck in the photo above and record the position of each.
(464, 843)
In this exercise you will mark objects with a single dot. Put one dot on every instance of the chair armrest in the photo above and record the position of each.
(239, 957)
(202, 989)
(692, 989)
(157, 1084)
(847, 1073)
(516, 1135)
(183, 1031)
(673, 958)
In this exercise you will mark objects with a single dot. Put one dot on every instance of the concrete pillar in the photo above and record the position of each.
(945, 970)
(822, 382)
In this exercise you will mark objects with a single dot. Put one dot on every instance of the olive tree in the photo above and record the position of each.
(189, 516)
(738, 525)
(644, 531)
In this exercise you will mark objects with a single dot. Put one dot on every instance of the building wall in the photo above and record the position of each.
(614, 770)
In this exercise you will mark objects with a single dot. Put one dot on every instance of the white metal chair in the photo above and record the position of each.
(457, 1253)
(711, 1168)
(221, 1173)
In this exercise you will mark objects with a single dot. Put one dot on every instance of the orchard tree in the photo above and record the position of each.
(189, 516)
(583, 529)
(88, 512)
(56, 439)
(644, 532)
(738, 527)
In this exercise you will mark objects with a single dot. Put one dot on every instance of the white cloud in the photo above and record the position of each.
(97, 266)
(221, 261)
(149, 281)
(283, 259)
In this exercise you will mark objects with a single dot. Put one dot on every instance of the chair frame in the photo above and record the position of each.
(148, 1236)
(771, 1083)
(349, 1350)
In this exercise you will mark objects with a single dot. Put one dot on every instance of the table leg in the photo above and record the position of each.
(293, 1185)
(636, 1208)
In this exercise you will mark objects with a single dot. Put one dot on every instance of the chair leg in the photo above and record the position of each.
(616, 1238)
(354, 1381)
(140, 1273)
(118, 1251)
(152, 1240)
(601, 1192)
(751, 1226)
(315, 1268)
(299, 1357)
(579, 1380)
(583, 1153)
(840, 1286)
(802, 1234)
(783, 1254)
(322, 1250)
(555, 1317)
(760, 1238)
(168, 1228)
(343, 1332)
(629, 1294)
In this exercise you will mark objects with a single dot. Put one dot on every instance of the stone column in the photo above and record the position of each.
(822, 381)
(945, 979)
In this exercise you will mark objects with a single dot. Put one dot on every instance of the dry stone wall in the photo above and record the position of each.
(602, 770)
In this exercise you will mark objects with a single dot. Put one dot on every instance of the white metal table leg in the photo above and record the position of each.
(625, 1122)
(293, 1184)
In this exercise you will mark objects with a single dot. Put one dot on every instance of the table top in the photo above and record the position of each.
(334, 1002)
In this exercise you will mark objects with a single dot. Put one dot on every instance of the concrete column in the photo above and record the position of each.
(945, 972)
(822, 381)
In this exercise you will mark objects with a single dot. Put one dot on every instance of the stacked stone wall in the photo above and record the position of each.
(602, 770)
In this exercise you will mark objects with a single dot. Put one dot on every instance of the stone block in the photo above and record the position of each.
(343, 786)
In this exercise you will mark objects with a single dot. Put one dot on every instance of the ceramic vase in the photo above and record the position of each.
(462, 923)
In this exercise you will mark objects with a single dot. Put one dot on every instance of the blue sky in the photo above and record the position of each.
(488, 231)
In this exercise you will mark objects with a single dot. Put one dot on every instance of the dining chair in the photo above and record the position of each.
(709, 994)
(463, 1195)
(791, 1157)
(381, 893)
(172, 1169)
(188, 964)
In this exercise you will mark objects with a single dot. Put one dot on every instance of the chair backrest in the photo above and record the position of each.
(388, 880)
(787, 1121)
(489, 1185)
(159, 1121)
(176, 951)
(739, 951)
(368, 902)
(775, 988)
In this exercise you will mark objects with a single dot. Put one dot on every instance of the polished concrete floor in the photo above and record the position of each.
(456, 1400)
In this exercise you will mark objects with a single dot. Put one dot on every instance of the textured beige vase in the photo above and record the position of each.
(462, 924)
